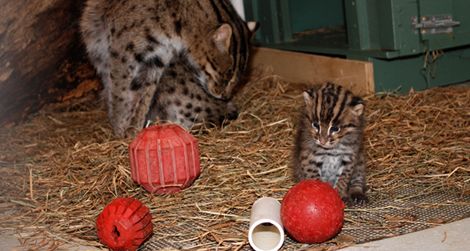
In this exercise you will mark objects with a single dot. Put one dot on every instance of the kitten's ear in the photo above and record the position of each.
(308, 98)
(358, 109)
(357, 106)
(308, 103)
(222, 37)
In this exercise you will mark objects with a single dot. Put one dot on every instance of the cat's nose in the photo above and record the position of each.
(323, 141)
(232, 115)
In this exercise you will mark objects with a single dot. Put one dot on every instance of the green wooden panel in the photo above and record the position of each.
(308, 14)
(381, 31)
(359, 26)
(383, 25)
(459, 10)
(406, 73)
(274, 19)
(406, 39)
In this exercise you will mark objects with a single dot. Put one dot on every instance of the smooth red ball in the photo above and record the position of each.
(312, 212)
(124, 224)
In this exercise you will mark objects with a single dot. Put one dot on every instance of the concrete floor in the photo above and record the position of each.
(9, 242)
(448, 237)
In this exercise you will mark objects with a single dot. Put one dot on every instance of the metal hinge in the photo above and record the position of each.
(434, 24)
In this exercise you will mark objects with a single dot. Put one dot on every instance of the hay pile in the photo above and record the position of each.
(74, 167)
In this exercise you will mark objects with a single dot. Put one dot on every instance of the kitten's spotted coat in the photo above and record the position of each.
(179, 98)
(328, 144)
(131, 43)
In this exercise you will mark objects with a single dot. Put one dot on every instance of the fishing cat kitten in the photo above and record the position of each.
(131, 43)
(329, 141)
(180, 98)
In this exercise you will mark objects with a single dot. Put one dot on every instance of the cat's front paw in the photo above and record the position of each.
(357, 198)
(130, 133)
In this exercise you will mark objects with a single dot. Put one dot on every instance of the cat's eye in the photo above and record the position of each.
(316, 125)
(334, 129)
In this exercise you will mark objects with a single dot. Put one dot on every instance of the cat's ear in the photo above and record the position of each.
(358, 109)
(308, 99)
(357, 106)
(252, 26)
(222, 37)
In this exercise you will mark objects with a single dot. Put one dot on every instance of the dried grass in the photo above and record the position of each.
(74, 167)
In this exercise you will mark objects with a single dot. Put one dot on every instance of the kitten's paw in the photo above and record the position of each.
(357, 199)
(130, 133)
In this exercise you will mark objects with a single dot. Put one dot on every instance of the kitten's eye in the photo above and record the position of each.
(334, 129)
(316, 125)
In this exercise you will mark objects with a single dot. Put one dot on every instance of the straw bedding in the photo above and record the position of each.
(61, 168)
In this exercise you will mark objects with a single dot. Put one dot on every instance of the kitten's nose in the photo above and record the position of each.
(323, 140)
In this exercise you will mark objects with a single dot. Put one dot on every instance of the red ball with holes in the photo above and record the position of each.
(124, 224)
(312, 212)
(164, 159)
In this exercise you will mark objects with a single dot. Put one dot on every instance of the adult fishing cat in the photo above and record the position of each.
(131, 43)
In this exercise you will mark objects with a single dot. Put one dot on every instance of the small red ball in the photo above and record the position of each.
(124, 224)
(312, 212)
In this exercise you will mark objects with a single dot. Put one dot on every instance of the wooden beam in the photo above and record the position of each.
(310, 69)
(36, 38)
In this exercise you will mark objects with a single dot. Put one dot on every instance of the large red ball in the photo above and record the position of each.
(312, 212)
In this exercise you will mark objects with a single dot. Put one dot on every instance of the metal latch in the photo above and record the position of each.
(434, 24)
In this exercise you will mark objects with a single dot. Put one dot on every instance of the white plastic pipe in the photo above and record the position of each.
(238, 4)
(266, 232)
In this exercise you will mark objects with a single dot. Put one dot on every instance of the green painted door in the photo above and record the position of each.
(453, 15)
(411, 43)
